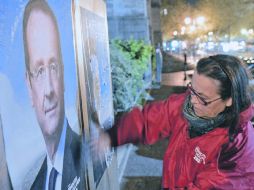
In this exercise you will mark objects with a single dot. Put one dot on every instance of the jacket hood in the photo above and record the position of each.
(247, 114)
(231, 151)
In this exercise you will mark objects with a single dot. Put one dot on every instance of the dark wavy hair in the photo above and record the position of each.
(234, 83)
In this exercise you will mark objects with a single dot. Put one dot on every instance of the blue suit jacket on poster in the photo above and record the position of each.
(72, 166)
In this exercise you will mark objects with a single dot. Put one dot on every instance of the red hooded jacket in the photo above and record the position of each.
(204, 162)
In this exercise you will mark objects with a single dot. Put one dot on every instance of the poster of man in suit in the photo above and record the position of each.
(44, 78)
(38, 102)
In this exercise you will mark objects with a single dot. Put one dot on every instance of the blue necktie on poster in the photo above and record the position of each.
(52, 179)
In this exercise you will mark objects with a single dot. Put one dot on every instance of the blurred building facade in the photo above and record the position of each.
(156, 22)
(138, 19)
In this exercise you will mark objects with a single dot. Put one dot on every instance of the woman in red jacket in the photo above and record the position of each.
(211, 138)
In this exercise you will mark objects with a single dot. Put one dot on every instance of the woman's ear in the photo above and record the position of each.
(229, 102)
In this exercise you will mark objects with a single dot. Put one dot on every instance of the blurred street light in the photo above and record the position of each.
(187, 20)
(193, 25)
(165, 11)
(244, 31)
(250, 31)
(200, 20)
(183, 30)
(192, 28)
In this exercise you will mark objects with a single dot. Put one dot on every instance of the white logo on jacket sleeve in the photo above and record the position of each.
(199, 156)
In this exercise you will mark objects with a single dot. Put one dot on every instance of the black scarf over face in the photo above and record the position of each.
(197, 125)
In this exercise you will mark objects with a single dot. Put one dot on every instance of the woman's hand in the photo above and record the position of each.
(100, 145)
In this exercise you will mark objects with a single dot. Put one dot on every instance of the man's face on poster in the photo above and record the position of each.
(45, 78)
